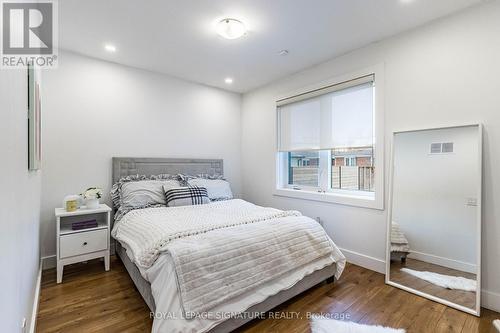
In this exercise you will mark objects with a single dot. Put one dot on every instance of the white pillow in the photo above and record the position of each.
(217, 189)
(145, 192)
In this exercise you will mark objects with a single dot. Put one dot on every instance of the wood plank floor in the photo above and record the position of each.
(91, 300)
(465, 298)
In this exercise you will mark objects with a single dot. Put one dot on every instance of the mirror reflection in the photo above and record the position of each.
(435, 213)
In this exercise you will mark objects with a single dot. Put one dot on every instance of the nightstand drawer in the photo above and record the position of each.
(83, 242)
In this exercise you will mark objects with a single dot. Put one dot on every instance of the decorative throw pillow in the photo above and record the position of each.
(145, 193)
(117, 193)
(218, 189)
(140, 191)
(185, 178)
(185, 196)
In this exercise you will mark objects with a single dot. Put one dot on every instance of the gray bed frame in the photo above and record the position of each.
(126, 166)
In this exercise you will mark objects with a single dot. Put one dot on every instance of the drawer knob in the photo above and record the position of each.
(84, 243)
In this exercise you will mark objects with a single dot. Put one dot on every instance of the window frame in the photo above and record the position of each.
(349, 159)
(373, 200)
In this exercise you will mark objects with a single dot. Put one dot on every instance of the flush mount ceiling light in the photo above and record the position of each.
(110, 48)
(228, 80)
(230, 28)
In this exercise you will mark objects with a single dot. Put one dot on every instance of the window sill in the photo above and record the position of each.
(365, 201)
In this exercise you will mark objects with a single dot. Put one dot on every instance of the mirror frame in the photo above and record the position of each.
(477, 310)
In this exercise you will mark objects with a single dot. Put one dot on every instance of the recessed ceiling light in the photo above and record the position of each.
(231, 28)
(228, 80)
(110, 48)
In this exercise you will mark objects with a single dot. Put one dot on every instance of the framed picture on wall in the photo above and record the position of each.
(34, 119)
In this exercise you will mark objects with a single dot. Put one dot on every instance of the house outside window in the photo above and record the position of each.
(327, 144)
(350, 161)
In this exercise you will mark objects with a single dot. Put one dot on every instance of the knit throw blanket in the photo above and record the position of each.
(399, 243)
(233, 246)
(397, 236)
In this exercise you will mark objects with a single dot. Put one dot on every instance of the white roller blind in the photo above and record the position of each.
(339, 119)
(352, 118)
(299, 125)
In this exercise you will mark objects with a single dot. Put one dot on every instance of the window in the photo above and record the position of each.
(303, 168)
(356, 173)
(350, 161)
(327, 142)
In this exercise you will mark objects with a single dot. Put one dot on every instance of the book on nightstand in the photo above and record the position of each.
(84, 224)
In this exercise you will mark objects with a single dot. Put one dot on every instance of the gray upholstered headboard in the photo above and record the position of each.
(126, 166)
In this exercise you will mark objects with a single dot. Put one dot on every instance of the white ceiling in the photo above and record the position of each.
(177, 37)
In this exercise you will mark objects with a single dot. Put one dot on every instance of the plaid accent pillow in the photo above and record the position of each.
(186, 196)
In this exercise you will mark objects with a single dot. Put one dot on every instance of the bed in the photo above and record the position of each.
(400, 247)
(260, 300)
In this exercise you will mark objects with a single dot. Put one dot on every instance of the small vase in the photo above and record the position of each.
(92, 203)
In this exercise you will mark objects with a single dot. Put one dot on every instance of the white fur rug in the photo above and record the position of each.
(496, 323)
(445, 281)
(325, 325)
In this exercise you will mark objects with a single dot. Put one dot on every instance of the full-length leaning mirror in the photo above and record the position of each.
(434, 220)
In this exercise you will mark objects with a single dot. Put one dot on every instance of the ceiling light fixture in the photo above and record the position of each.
(228, 80)
(230, 28)
(110, 48)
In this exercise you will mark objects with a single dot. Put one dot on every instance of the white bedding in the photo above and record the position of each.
(164, 284)
(169, 313)
(399, 243)
(149, 231)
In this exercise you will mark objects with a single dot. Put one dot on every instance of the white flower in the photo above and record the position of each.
(93, 193)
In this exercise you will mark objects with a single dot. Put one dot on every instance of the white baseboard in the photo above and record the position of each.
(36, 300)
(371, 263)
(490, 300)
(442, 261)
(49, 262)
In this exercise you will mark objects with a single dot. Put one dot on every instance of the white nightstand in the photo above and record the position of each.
(81, 245)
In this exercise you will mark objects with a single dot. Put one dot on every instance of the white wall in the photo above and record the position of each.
(94, 110)
(20, 206)
(443, 73)
(431, 194)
